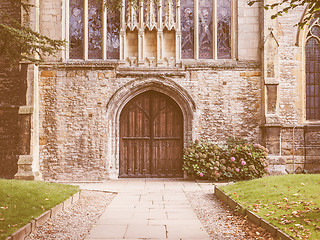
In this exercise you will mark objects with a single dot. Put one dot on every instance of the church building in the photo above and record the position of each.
(136, 84)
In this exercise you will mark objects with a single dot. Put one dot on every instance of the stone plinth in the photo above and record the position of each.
(24, 168)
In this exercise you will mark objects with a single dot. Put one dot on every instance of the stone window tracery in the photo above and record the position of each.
(312, 50)
(150, 32)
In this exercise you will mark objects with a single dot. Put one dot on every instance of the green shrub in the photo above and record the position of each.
(237, 160)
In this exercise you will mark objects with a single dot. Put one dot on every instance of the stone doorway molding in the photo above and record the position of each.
(127, 92)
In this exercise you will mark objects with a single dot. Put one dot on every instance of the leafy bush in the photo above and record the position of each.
(237, 160)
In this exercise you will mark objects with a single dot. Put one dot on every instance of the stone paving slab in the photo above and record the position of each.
(148, 209)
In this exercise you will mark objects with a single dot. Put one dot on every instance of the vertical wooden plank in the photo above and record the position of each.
(151, 132)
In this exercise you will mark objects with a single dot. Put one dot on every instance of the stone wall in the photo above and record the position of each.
(258, 96)
(291, 138)
(248, 31)
(74, 125)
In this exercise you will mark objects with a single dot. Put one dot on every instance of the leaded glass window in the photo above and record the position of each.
(95, 29)
(101, 33)
(187, 29)
(76, 29)
(94, 32)
(113, 29)
(224, 29)
(213, 31)
(205, 29)
(312, 50)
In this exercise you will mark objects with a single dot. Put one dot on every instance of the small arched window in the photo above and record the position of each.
(312, 50)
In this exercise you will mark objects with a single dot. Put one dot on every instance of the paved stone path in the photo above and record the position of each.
(148, 209)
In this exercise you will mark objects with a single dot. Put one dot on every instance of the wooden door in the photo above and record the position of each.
(151, 137)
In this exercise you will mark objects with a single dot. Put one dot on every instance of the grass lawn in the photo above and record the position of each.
(22, 201)
(289, 202)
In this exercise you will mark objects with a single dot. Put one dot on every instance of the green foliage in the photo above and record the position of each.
(18, 42)
(22, 201)
(284, 6)
(22, 43)
(237, 160)
(289, 202)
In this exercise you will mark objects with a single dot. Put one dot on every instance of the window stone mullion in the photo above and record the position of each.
(122, 37)
(178, 33)
(196, 29)
(159, 35)
(66, 27)
(215, 27)
(85, 30)
(141, 35)
(104, 32)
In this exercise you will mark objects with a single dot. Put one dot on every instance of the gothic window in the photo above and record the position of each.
(187, 29)
(76, 29)
(95, 27)
(113, 30)
(205, 29)
(312, 50)
(224, 29)
(87, 37)
(96, 32)
(213, 29)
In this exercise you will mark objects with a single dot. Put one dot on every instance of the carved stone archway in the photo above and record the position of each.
(126, 93)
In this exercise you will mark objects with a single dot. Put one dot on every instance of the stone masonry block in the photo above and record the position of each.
(22, 232)
(43, 218)
(254, 218)
(25, 110)
(75, 197)
(67, 203)
(48, 74)
(283, 236)
(25, 159)
(232, 204)
(56, 210)
(269, 227)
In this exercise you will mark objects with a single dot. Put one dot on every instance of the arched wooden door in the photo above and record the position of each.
(151, 137)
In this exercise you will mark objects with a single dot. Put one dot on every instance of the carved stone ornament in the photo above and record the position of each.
(150, 15)
(132, 21)
(168, 22)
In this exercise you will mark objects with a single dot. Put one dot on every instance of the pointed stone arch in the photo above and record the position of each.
(303, 35)
(129, 91)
